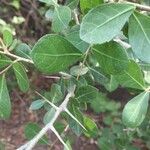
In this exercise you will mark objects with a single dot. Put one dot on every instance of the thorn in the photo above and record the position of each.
(59, 137)
(54, 106)
(68, 112)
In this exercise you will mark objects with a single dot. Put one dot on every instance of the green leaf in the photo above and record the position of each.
(78, 70)
(92, 129)
(112, 85)
(72, 3)
(14, 44)
(49, 2)
(23, 50)
(7, 37)
(135, 110)
(74, 125)
(56, 93)
(4, 61)
(139, 31)
(5, 105)
(104, 22)
(112, 57)
(86, 5)
(98, 75)
(61, 18)
(60, 127)
(21, 76)
(50, 58)
(86, 93)
(49, 14)
(132, 77)
(32, 129)
(49, 115)
(35, 105)
(74, 38)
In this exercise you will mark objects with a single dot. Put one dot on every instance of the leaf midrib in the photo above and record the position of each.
(21, 75)
(137, 108)
(59, 55)
(140, 25)
(135, 80)
(109, 56)
(119, 14)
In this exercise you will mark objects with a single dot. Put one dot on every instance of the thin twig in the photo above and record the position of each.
(76, 17)
(84, 60)
(6, 52)
(16, 57)
(8, 67)
(61, 108)
(124, 44)
(54, 106)
(139, 6)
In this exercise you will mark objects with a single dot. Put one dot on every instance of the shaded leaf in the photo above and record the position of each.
(111, 57)
(78, 70)
(5, 105)
(32, 129)
(21, 76)
(7, 37)
(74, 38)
(86, 93)
(112, 85)
(49, 2)
(56, 94)
(4, 61)
(49, 115)
(35, 105)
(75, 127)
(61, 18)
(132, 77)
(23, 50)
(86, 5)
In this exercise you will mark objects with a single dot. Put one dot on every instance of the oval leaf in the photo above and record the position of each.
(74, 38)
(7, 38)
(78, 70)
(139, 25)
(49, 115)
(111, 57)
(61, 18)
(104, 22)
(4, 61)
(35, 105)
(23, 50)
(53, 53)
(132, 77)
(86, 93)
(22, 78)
(5, 105)
(135, 110)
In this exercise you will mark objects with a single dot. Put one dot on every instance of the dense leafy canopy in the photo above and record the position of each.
(99, 49)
